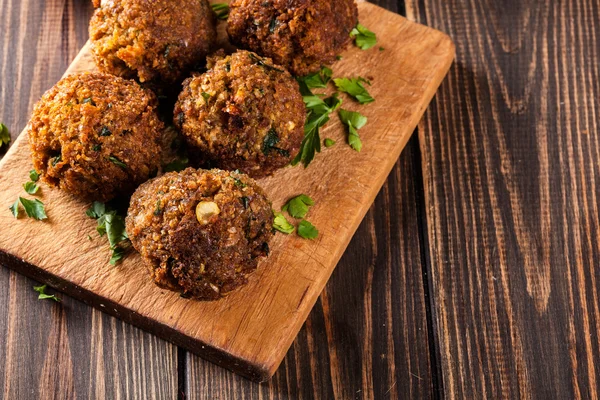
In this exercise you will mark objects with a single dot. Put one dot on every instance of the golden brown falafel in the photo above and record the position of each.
(200, 232)
(244, 113)
(157, 42)
(95, 136)
(301, 35)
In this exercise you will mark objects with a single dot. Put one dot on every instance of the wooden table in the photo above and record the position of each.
(476, 274)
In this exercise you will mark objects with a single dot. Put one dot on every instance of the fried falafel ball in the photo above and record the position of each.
(200, 232)
(157, 42)
(95, 136)
(244, 113)
(301, 35)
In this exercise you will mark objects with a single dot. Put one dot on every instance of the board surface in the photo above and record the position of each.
(250, 331)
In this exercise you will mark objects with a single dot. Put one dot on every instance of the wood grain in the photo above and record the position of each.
(249, 331)
(65, 350)
(510, 155)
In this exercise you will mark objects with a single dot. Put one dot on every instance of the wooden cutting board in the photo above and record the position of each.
(250, 331)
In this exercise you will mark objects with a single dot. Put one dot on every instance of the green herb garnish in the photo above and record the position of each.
(88, 100)
(329, 142)
(4, 135)
(364, 38)
(105, 131)
(31, 187)
(245, 202)
(42, 293)
(33, 208)
(318, 80)
(221, 10)
(307, 230)
(113, 226)
(117, 162)
(14, 209)
(178, 165)
(34, 175)
(355, 88)
(205, 96)
(97, 147)
(354, 121)
(56, 160)
(281, 224)
(298, 206)
(270, 142)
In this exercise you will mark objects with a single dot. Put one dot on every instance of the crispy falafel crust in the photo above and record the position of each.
(302, 35)
(201, 261)
(95, 136)
(156, 41)
(244, 113)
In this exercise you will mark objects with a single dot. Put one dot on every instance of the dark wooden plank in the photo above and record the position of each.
(62, 350)
(510, 157)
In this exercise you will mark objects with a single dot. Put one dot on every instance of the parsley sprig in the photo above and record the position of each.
(364, 38)
(355, 88)
(43, 295)
(4, 135)
(221, 10)
(297, 207)
(354, 121)
(112, 225)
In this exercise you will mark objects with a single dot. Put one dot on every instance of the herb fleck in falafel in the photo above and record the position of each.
(200, 232)
(302, 35)
(153, 41)
(244, 113)
(96, 136)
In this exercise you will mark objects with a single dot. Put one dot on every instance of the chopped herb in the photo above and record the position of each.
(34, 209)
(105, 131)
(221, 9)
(355, 88)
(88, 100)
(34, 175)
(14, 209)
(158, 210)
(180, 118)
(97, 147)
(117, 162)
(329, 142)
(205, 96)
(56, 160)
(381, 49)
(307, 230)
(113, 226)
(4, 135)
(178, 165)
(167, 51)
(273, 25)
(245, 202)
(338, 58)
(318, 80)
(318, 115)
(270, 142)
(354, 121)
(31, 187)
(89, 238)
(239, 183)
(42, 293)
(364, 38)
(262, 63)
(281, 224)
(298, 206)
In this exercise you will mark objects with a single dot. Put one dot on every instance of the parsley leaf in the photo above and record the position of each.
(34, 209)
(113, 226)
(307, 230)
(31, 187)
(14, 209)
(4, 135)
(318, 115)
(221, 9)
(298, 206)
(329, 142)
(117, 162)
(178, 165)
(34, 175)
(43, 295)
(364, 38)
(355, 88)
(281, 224)
(318, 80)
(270, 142)
(354, 121)
(206, 97)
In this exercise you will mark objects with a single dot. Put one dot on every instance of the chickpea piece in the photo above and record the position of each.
(205, 210)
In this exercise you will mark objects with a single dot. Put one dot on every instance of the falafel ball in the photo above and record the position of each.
(302, 35)
(244, 113)
(200, 232)
(153, 41)
(96, 136)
